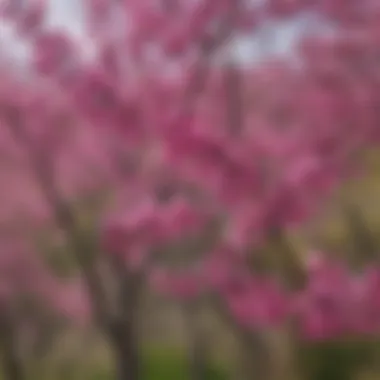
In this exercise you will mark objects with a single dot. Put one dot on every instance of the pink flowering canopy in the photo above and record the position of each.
(196, 157)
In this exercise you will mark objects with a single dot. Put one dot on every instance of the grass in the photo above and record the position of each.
(159, 363)
(166, 364)
(336, 360)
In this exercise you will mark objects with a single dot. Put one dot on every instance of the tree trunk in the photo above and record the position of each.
(198, 358)
(11, 361)
(286, 349)
(126, 350)
(256, 358)
(11, 366)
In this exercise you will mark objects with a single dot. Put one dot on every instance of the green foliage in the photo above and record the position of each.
(158, 364)
(164, 364)
(334, 360)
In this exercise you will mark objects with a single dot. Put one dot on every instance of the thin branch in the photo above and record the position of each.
(64, 218)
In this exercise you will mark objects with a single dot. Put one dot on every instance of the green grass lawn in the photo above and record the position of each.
(157, 364)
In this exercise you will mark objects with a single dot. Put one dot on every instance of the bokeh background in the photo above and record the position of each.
(177, 339)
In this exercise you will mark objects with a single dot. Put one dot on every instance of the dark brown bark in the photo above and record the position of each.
(197, 343)
(256, 356)
(120, 328)
(255, 359)
(124, 330)
(124, 342)
(11, 362)
(12, 368)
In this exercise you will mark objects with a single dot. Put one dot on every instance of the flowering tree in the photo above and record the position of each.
(33, 297)
(189, 155)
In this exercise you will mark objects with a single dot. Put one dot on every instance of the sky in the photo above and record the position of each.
(67, 14)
